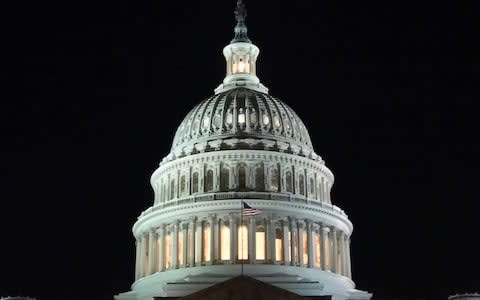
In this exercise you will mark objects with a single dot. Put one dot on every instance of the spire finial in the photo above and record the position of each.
(240, 28)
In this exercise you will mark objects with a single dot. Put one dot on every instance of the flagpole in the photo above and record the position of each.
(241, 242)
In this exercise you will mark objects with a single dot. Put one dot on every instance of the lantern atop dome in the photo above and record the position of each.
(241, 56)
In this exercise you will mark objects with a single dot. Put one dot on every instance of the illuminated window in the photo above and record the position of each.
(288, 181)
(253, 117)
(225, 242)
(182, 185)
(305, 248)
(260, 243)
(229, 118)
(317, 250)
(168, 250)
(259, 179)
(274, 180)
(242, 178)
(195, 183)
(265, 119)
(301, 185)
(276, 121)
(242, 242)
(278, 245)
(180, 246)
(209, 181)
(224, 179)
(328, 247)
(206, 122)
(206, 243)
(241, 117)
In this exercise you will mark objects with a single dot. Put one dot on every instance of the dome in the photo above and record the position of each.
(241, 118)
(242, 192)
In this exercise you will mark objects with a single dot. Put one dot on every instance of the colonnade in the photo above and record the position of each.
(231, 239)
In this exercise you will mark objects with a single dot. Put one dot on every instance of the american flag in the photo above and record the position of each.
(249, 211)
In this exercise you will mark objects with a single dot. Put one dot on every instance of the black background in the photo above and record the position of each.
(386, 90)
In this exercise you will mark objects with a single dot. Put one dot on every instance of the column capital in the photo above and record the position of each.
(300, 224)
(325, 228)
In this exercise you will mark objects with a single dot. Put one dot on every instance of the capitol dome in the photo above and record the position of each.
(242, 192)
(242, 118)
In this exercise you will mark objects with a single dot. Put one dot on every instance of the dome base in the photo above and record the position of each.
(301, 281)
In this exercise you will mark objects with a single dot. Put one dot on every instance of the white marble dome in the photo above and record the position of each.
(242, 147)
(241, 114)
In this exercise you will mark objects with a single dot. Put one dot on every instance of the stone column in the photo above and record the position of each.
(138, 249)
(251, 240)
(311, 250)
(161, 248)
(213, 236)
(143, 250)
(301, 232)
(334, 250)
(347, 252)
(175, 246)
(285, 229)
(185, 243)
(152, 251)
(293, 237)
(233, 238)
(270, 231)
(323, 246)
(198, 243)
(342, 253)
(191, 242)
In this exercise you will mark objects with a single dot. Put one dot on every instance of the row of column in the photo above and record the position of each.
(226, 177)
(252, 240)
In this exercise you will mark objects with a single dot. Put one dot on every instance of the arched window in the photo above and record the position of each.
(209, 181)
(242, 178)
(195, 183)
(312, 188)
(172, 189)
(242, 242)
(224, 179)
(259, 179)
(225, 242)
(260, 243)
(274, 180)
(182, 185)
(301, 185)
(206, 243)
(288, 181)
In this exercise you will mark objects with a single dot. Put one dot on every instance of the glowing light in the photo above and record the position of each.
(243, 242)
(225, 243)
(260, 245)
(241, 118)
(241, 67)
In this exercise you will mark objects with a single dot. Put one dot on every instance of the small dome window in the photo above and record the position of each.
(276, 121)
(265, 119)
(253, 118)
(217, 121)
(206, 122)
(241, 117)
(229, 118)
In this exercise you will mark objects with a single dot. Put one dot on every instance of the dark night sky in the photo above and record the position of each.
(386, 90)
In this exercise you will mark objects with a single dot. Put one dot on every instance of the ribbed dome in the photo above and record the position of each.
(243, 113)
